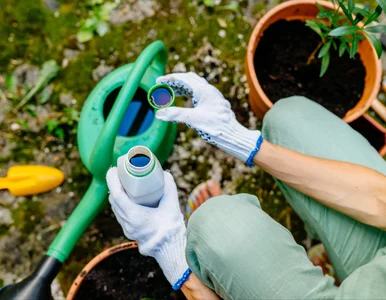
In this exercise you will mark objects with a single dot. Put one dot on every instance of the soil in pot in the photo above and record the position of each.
(127, 275)
(375, 137)
(283, 68)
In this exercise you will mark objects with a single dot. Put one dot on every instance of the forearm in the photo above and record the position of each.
(354, 190)
(194, 289)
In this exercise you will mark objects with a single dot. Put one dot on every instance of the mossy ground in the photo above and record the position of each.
(208, 41)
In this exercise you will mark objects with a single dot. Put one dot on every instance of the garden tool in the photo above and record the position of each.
(31, 180)
(100, 147)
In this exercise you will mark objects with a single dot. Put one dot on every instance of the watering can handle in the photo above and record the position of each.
(154, 55)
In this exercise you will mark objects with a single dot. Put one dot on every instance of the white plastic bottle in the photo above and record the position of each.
(141, 176)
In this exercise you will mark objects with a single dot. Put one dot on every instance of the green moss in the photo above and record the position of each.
(81, 255)
(27, 215)
(1, 282)
(77, 77)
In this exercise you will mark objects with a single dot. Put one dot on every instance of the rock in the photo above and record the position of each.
(52, 5)
(101, 71)
(66, 99)
(15, 126)
(69, 55)
(27, 74)
(5, 216)
(179, 68)
(222, 33)
(134, 11)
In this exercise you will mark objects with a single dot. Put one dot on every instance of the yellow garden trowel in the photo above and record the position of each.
(31, 180)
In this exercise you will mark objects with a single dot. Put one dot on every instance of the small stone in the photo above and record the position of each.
(15, 126)
(101, 71)
(179, 68)
(5, 217)
(222, 33)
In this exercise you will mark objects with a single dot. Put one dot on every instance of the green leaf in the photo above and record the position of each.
(234, 6)
(374, 16)
(342, 48)
(106, 9)
(325, 14)
(51, 125)
(351, 6)
(314, 26)
(209, 3)
(325, 63)
(45, 95)
(345, 11)
(376, 43)
(360, 37)
(325, 49)
(344, 30)
(358, 18)
(102, 28)
(362, 12)
(11, 83)
(334, 45)
(59, 132)
(376, 29)
(382, 3)
(85, 35)
(354, 46)
(49, 71)
(321, 8)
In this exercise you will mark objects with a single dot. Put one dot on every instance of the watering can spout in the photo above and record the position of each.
(35, 286)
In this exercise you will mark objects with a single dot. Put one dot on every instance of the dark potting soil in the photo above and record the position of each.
(281, 67)
(127, 275)
(372, 134)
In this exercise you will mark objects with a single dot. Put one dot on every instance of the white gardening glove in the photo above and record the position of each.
(212, 116)
(160, 232)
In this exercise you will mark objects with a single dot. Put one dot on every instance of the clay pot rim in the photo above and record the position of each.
(353, 113)
(95, 261)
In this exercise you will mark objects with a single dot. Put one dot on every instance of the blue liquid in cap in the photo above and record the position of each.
(139, 160)
(161, 97)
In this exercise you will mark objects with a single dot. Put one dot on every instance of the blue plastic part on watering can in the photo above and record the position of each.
(157, 135)
(131, 113)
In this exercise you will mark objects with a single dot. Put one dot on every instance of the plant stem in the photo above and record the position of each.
(312, 55)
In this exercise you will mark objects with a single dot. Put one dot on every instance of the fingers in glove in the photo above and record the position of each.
(118, 196)
(170, 198)
(186, 84)
(176, 114)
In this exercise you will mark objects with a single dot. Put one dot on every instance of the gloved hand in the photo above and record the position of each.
(211, 116)
(160, 232)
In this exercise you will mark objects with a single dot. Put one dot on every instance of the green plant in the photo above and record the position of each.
(96, 21)
(49, 71)
(67, 120)
(342, 32)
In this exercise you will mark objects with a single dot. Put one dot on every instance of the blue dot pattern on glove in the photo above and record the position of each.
(181, 89)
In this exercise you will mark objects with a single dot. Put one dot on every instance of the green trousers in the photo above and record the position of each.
(240, 252)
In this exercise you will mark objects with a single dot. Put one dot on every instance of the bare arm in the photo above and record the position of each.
(194, 289)
(354, 190)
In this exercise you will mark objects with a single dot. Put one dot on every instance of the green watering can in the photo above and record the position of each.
(114, 118)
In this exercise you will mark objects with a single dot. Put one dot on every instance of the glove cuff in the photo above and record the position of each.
(242, 143)
(171, 257)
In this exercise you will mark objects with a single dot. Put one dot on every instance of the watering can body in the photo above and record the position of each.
(100, 145)
(158, 137)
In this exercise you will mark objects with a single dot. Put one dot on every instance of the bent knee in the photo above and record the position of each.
(220, 225)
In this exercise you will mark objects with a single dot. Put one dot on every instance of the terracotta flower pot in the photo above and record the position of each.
(95, 261)
(304, 10)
